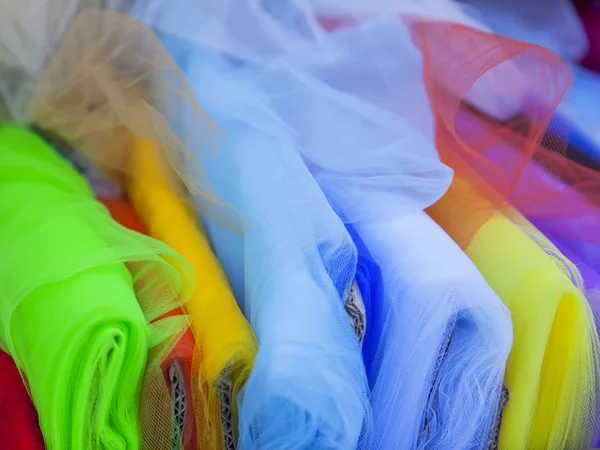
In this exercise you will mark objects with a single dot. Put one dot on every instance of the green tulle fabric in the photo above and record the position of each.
(79, 295)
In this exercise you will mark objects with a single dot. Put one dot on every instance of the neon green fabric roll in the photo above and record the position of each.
(78, 295)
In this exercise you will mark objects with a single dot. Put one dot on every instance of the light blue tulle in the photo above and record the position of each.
(289, 268)
(353, 105)
(443, 335)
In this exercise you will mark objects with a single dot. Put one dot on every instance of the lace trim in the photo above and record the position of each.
(225, 391)
(178, 396)
(355, 308)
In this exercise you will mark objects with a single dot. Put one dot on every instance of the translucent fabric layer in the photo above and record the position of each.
(579, 110)
(89, 356)
(441, 319)
(289, 270)
(79, 83)
(227, 343)
(378, 172)
(553, 24)
(553, 367)
(19, 427)
(180, 363)
(552, 371)
(444, 316)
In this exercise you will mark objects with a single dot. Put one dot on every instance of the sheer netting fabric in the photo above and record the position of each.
(578, 109)
(94, 87)
(179, 365)
(94, 79)
(379, 172)
(554, 24)
(290, 270)
(464, 67)
(552, 372)
(379, 175)
(82, 296)
(227, 345)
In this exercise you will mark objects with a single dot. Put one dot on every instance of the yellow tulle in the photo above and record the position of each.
(225, 340)
(552, 369)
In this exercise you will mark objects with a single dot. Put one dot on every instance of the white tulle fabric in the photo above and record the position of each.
(352, 103)
(246, 30)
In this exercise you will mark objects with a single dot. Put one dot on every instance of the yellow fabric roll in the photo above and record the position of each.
(552, 371)
(224, 338)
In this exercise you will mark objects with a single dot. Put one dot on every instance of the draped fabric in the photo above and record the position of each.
(378, 173)
(178, 365)
(81, 88)
(552, 369)
(92, 342)
(290, 269)
(549, 372)
(226, 342)
(19, 427)
(553, 24)
(73, 78)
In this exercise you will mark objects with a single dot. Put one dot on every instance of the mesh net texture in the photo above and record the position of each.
(92, 367)
(552, 373)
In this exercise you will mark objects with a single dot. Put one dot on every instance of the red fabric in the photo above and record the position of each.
(183, 351)
(19, 427)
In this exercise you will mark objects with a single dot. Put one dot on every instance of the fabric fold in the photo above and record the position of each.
(552, 369)
(80, 293)
(180, 362)
(290, 269)
(226, 342)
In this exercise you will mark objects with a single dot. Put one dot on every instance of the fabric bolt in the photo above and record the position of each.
(375, 180)
(227, 344)
(552, 369)
(457, 340)
(290, 269)
(92, 344)
(573, 233)
(177, 366)
(19, 427)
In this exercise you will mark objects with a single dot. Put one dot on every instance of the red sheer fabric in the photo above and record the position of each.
(501, 160)
(19, 428)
